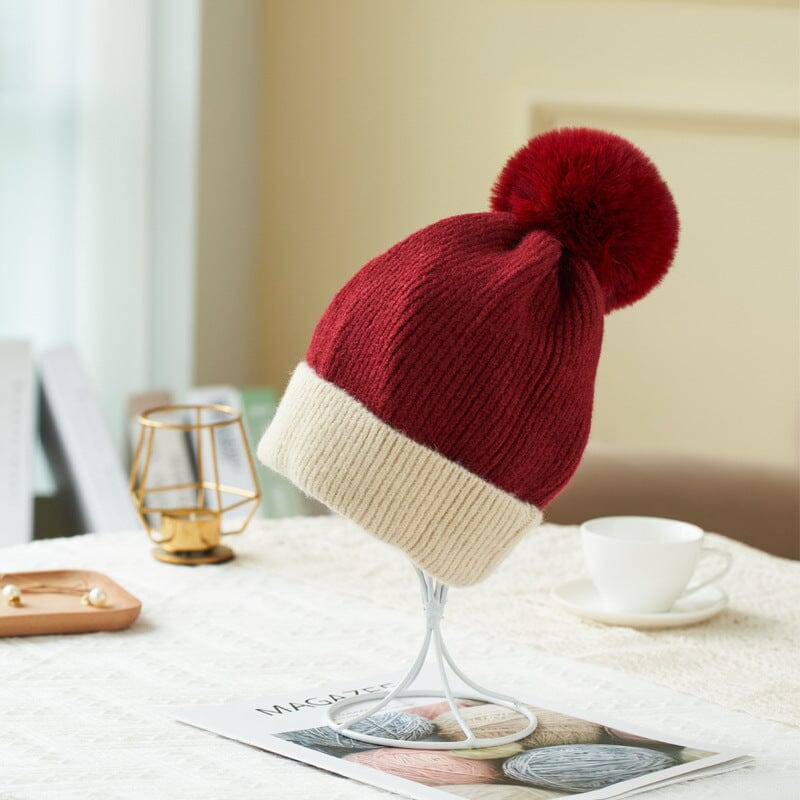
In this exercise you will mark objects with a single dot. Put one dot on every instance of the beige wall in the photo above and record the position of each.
(380, 117)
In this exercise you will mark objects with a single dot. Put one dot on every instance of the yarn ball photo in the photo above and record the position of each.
(488, 720)
(390, 724)
(584, 767)
(564, 754)
(399, 725)
(428, 767)
(500, 751)
(432, 710)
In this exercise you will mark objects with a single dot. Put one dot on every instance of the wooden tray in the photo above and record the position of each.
(64, 613)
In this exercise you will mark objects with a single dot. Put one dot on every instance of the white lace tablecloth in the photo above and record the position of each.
(313, 601)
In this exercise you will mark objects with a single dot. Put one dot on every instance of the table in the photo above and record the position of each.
(314, 600)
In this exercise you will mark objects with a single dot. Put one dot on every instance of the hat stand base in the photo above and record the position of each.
(434, 598)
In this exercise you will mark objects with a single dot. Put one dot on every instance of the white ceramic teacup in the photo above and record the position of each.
(644, 564)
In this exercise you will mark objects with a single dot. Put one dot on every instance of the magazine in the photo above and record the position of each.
(567, 755)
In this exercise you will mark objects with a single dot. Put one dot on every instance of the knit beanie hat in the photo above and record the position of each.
(446, 395)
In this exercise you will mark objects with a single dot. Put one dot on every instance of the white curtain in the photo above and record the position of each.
(38, 113)
(98, 133)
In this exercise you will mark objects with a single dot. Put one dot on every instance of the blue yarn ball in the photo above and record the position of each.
(390, 724)
(324, 739)
(397, 725)
(584, 767)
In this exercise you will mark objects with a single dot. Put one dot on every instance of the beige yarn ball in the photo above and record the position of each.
(555, 728)
(487, 721)
(499, 791)
(480, 753)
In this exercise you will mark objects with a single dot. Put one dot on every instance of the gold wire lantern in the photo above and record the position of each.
(193, 481)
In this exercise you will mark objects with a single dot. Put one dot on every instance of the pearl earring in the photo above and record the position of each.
(95, 597)
(12, 594)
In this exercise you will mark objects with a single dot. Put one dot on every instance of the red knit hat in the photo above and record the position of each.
(446, 396)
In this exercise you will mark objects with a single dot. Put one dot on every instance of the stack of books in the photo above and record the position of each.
(279, 497)
(90, 475)
(17, 401)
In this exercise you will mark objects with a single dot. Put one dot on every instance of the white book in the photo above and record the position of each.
(80, 447)
(624, 759)
(17, 404)
(232, 459)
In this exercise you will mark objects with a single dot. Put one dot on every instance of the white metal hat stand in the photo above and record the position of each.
(434, 598)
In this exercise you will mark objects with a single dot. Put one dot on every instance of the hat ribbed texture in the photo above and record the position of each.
(473, 337)
(446, 519)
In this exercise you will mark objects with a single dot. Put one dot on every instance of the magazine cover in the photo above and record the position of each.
(566, 755)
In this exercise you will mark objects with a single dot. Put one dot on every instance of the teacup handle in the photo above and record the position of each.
(710, 551)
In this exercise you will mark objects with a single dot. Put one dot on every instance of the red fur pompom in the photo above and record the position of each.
(604, 201)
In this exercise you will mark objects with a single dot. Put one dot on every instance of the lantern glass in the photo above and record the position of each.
(193, 480)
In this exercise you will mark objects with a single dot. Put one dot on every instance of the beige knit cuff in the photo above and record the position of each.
(449, 521)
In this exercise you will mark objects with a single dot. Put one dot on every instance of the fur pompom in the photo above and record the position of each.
(604, 201)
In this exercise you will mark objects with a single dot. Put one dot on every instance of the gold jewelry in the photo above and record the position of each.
(90, 596)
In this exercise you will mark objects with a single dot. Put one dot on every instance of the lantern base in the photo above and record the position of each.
(216, 555)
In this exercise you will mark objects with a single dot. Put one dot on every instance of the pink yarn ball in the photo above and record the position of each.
(428, 767)
(434, 709)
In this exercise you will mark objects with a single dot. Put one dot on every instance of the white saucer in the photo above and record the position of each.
(580, 597)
